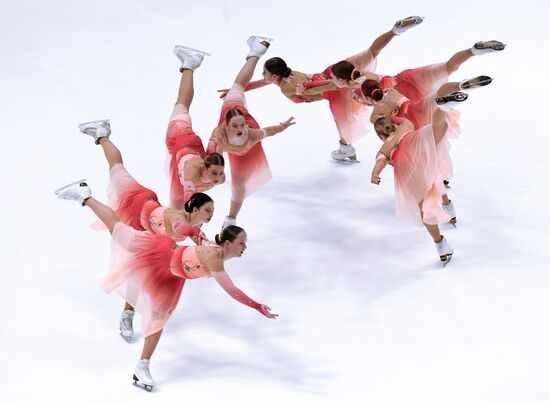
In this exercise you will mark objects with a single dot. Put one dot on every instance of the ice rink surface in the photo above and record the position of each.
(366, 311)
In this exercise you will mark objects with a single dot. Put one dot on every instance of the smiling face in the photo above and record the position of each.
(214, 173)
(237, 130)
(205, 212)
(236, 247)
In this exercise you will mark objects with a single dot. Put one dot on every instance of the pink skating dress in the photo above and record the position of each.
(249, 167)
(419, 169)
(351, 117)
(183, 146)
(148, 271)
(138, 207)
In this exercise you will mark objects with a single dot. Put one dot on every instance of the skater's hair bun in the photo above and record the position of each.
(229, 233)
(214, 159)
(232, 113)
(197, 200)
(277, 66)
(371, 89)
(345, 70)
(383, 127)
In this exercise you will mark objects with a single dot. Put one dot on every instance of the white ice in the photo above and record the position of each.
(366, 311)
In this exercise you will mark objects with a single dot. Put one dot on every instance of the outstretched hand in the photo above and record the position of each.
(265, 310)
(223, 93)
(289, 122)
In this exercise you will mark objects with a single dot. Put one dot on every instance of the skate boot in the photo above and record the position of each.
(476, 82)
(190, 58)
(445, 250)
(450, 209)
(487, 47)
(449, 101)
(346, 153)
(229, 221)
(405, 24)
(447, 183)
(142, 375)
(126, 327)
(258, 46)
(96, 129)
(77, 191)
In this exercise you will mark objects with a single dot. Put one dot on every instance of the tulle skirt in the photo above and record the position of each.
(126, 197)
(420, 82)
(139, 272)
(420, 166)
(181, 140)
(249, 171)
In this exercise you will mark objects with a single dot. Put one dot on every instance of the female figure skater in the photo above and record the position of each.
(350, 117)
(239, 134)
(391, 94)
(149, 270)
(190, 169)
(419, 161)
(138, 206)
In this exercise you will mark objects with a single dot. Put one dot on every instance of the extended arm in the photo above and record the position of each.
(272, 130)
(227, 284)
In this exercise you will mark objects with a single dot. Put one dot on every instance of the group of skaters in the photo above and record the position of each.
(412, 113)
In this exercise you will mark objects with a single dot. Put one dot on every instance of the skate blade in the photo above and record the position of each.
(141, 385)
(60, 189)
(128, 339)
(260, 38)
(85, 125)
(475, 83)
(347, 160)
(446, 259)
(190, 49)
(490, 44)
(415, 20)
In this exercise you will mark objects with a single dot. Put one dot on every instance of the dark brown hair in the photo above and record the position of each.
(371, 89)
(277, 66)
(214, 159)
(197, 200)
(232, 113)
(229, 233)
(345, 70)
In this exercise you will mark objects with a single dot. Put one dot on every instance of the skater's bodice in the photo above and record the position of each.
(155, 218)
(190, 168)
(255, 135)
(195, 261)
(290, 85)
(389, 148)
(390, 104)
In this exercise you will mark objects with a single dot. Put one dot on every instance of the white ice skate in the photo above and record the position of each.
(126, 327)
(77, 191)
(445, 250)
(447, 183)
(489, 46)
(229, 221)
(257, 48)
(346, 153)
(475, 83)
(96, 129)
(190, 58)
(407, 23)
(449, 101)
(450, 209)
(142, 375)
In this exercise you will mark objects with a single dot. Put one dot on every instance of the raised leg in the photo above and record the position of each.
(186, 89)
(103, 212)
(112, 153)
